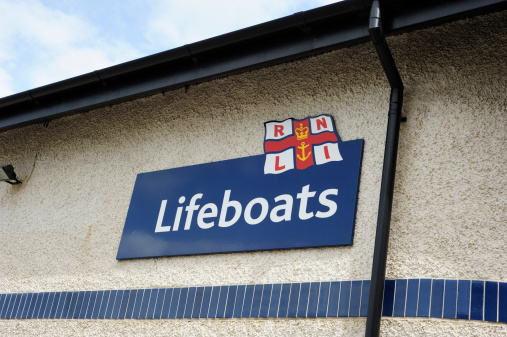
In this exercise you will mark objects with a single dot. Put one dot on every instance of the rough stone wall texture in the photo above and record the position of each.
(60, 229)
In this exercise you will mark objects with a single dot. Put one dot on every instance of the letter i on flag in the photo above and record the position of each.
(295, 143)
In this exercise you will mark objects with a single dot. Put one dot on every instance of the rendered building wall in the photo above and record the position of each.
(60, 229)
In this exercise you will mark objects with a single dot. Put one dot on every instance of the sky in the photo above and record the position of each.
(45, 41)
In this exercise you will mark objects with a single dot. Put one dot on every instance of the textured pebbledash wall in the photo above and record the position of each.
(60, 229)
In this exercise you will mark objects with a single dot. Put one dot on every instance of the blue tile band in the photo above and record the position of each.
(436, 298)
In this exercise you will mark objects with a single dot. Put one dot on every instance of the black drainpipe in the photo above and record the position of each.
(387, 186)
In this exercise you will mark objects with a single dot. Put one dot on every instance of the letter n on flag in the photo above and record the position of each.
(300, 143)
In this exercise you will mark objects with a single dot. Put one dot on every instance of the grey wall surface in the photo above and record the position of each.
(60, 229)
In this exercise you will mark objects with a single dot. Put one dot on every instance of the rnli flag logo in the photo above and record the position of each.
(299, 144)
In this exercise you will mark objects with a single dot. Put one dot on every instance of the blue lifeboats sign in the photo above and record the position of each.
(301, 193)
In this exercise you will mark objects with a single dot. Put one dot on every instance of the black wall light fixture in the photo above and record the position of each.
(8, 175)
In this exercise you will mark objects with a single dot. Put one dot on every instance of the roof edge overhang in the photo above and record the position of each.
(289, 38)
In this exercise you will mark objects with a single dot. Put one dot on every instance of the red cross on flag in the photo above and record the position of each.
(295, 143)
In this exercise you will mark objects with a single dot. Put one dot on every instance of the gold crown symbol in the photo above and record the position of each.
(301, 132)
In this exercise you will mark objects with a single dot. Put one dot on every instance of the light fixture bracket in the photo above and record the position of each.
(8, 175)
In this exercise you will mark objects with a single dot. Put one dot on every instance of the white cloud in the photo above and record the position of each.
(43, 41)
(175, 23)
(5, 84)
(45, 45)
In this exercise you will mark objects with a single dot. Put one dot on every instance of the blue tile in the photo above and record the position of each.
(293, 301)
(66, 306)
(148, 302)
(213, 304)
(323, 299)
(437, 298)
(247, 304)
(19, 306)
(313, 299)
(79, 304)
(24, 309)
(355, 299)
(477, 300)
(206, 297)
(49, 305)
(84, 307)
(43, 305)
(343, 309)
(266, 299)
(2, 299)
(231, 299)
(142, 297)
(334, 299)
(412, 298)
(14, 303)
(5, 305)
(182, 302)
(147, 310)
(240, 297)
(55, 306)
(5, 301)
(104, 304)
(284, 300)
(74, 303)
(256, 302)
(11, 305)
(423, 308)
(450, 298)
(15, 306)
(19, 310)
(173, 307)
(189, 306)
(222, 301)
(113, 303)
(59, 308)
(9, 302)
(8, 307)
(199, 292)
(117, 303)
(122, 300)
(29, 309)
(28, 303)
(170, 293)
(36, 307)
(124, 304)
(129, 310)
(399, 298)
(96, 307)
(365, 297)
(304, 293)
(275, 300)
(491, 302)
(463, 309)
(87, 308)
(502, 302)
(24, 304)
(159, 302)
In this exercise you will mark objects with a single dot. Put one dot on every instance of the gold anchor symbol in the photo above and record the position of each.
(303, 147)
